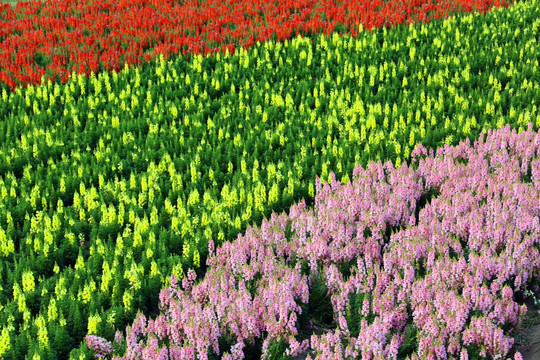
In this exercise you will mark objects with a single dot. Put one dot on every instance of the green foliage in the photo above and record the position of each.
(276, 350)
(410, 344)
(319, 308)
(62, 342)
(352, 315)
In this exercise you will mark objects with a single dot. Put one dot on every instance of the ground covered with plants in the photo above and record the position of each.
(188, 208)
(52, 38)
(430, 276)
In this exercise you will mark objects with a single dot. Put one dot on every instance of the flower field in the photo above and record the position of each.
(52, 38)
(168, 178)
(260, 283)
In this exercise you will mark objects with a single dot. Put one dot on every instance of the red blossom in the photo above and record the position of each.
(99, 35)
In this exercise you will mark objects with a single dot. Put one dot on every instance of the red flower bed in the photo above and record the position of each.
(55, 37)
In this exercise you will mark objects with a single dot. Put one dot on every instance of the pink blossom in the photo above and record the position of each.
(473, 245)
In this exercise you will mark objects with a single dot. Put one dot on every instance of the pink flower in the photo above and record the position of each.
(478, 230)
(101, 346)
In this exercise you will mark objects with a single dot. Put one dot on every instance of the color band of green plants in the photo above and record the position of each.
(110, 184)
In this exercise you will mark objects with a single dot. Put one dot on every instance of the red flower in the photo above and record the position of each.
(138, 30)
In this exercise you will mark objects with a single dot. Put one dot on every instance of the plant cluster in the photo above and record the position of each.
(419, 262)
(52, 38)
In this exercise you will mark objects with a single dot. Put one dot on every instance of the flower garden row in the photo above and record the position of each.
(52, 38)
(229, 139)
(416, 262)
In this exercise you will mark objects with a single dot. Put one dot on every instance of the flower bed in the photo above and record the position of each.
(429, 255)
(110, 184)
(54, 38)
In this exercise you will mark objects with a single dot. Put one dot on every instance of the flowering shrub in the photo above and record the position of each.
(52, 38)
(101, 346)
(446, 266)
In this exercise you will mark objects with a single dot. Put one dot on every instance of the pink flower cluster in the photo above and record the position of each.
(449, 265)
(101, 346)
